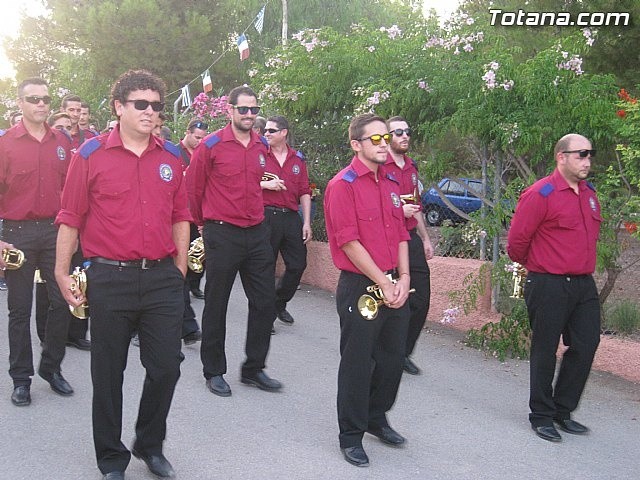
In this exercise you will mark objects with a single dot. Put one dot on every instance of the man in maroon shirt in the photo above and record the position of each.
(368, 243)
(553, 233)
(223, 181)
(125, 196)
(289, 235)
(420, 248)
(33, 164)
(72, 105)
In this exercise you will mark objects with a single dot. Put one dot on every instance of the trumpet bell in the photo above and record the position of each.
(195, 255)
(79, 278)
(266, 176)
(13, 258)
(368, 306)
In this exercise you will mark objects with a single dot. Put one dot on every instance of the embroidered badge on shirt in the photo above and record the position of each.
(414, 179)
(395, 199)
(295, 169)
(166, 173)
(592, 204)
(263, 161)
(61, 153)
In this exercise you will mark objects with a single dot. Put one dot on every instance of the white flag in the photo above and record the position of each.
(186, 97)
(259, 21)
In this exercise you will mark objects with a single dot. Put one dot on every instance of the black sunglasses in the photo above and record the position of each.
(272, 130)
(144, 104)
(399, 131)
(35, 99)
(376, 139)
(582, 153)
(244, 110)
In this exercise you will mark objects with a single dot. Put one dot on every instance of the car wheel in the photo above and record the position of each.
(433, 216)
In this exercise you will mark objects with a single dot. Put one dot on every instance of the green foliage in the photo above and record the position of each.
(622, 318)
(511, 336)
(462, 241)
(474, 287)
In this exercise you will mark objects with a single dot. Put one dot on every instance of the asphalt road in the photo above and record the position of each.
(465, 417)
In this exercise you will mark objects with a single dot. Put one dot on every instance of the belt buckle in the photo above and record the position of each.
(144, 266)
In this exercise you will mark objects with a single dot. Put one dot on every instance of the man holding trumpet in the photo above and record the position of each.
(368, 242)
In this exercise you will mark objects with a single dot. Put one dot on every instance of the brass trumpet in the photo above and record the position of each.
(368, 305)
(266, 176)
(519, 277)
(13, 258)
(410, 197)
(195, 255)
(79, 278)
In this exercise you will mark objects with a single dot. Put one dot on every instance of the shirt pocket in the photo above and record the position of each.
(112, 197)
(368, 215)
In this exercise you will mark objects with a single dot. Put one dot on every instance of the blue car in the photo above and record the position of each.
(459, 194)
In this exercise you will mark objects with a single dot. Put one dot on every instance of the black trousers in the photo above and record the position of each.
(37, 239)
(189, 322)
(121, 300)
(420, 299)
(193, 278)
(229, 250)
(372, 354)
(286, 239)
(568, 306)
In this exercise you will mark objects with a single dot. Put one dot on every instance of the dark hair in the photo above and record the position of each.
(56, 116)
(165, 132)
(280, 121)
(236, 92)
(12, 117)
(30, 81)
(259, 124)
(197, 123)
(85, 105)
(356, 127)
(70, 98)
(135, 80)
(397, 118)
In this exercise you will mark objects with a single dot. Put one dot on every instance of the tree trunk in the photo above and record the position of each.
(285, 23)
(607, 288)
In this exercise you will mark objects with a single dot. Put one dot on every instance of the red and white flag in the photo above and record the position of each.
(243, 47)
(207, 86)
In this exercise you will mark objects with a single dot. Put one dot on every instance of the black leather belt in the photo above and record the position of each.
(143, 263)
(279, 209)
(220, 222)
(19, 223)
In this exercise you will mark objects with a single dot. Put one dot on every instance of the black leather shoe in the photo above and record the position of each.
(21, 396)
(285, 317)
(262, 381)
(113, 476)
(157, 464)
(58, 384)
(388, 435)
(548, 432)
(196, 292)
(192, 337)
(356, 456)
(410, 367)
(79, 343)
(219, 386)
(571, 426)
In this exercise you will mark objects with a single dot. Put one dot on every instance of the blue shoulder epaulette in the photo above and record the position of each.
(546, 190)
(264, 141)
(89, 147)
(349, 176)
(2, 132)
(590, 185)
(414, 163)
(301, 156)
(392, 177)
(211, 141)
(172, 148)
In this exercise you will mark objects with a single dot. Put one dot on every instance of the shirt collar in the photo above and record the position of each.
(114, 140)
(361, 169)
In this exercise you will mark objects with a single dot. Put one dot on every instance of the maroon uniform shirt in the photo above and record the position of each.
(408, 178)
(125, 206)
(295, 176)
(223, 179)
(32, 173)
(79, 138)
(554, 230)
(357, 207)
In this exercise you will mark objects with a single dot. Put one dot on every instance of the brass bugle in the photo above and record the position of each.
(369, 305)
(79, 278)
(195, 255)
(13, 258)
(411, 197)
(519, 277)
(266, 176)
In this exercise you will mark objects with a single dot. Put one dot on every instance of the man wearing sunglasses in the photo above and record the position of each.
(126, 197)
(553, 234)
(33, 164)
(420, 248)
(289, 235)
(225, 198)
(368, 242)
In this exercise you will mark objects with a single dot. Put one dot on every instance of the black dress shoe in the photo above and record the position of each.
(58, 384)
(285, 317)
(262, 381)
(410, 367)
(356, 456)
(196, 292)
(571, 426)
(157, 464)
(192, 337)
(21, 396)
(219, 386)
(113, 476)
(79, 343)
(547, 432)
(388, 435)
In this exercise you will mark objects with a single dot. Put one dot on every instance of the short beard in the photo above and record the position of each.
(399, 149)
(240, 126)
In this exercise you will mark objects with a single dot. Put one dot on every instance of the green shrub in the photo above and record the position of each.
(622, 318)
